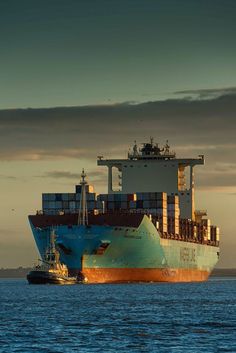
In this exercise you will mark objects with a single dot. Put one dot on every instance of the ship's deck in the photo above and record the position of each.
(109, 219)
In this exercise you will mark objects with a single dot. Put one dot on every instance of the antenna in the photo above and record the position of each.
(135, 149)
(83, 210)
(167, 147)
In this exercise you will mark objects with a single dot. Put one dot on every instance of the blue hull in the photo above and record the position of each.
(82, 248)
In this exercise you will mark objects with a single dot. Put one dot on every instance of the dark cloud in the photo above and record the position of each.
(99, 176)
(208, 92)
(57, 174)
(194, 127)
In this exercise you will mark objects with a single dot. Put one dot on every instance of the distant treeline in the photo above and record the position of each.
(21, 272)
(224, 272)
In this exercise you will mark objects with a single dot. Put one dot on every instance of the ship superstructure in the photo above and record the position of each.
(145, 228)
(152, 168)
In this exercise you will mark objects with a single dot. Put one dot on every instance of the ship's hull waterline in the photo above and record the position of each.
(131, 275)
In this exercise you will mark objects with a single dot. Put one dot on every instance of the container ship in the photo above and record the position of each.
(145, 229)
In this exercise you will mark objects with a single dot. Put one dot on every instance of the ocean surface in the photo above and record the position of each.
(189, 317)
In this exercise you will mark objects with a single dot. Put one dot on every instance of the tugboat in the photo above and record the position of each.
(51, 271)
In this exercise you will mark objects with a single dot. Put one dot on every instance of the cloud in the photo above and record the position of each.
(197, 126)
(59, 174)
(216, 179)
(99, 176)
(208, 92)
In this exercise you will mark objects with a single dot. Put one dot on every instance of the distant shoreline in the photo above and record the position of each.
(21, 272)
(224, 272)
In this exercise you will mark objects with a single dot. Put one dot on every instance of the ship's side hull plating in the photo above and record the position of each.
(106, 254)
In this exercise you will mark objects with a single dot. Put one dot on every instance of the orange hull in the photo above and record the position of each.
(116, 275)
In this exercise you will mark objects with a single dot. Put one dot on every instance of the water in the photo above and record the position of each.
(194, 317)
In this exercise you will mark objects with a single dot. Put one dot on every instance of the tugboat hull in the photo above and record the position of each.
(46, 277)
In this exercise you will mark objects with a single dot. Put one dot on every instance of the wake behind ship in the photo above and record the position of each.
(145, 228)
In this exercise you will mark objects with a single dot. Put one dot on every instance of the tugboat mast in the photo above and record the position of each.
(83, 210)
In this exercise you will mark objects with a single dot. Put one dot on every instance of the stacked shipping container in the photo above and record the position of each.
(173, 214)
(115, 202)
(154, 203)
(56, 203)
(164, 209)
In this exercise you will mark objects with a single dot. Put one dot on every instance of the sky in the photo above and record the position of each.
(85, 78)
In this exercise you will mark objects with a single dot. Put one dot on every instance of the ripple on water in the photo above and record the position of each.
(193, 317)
